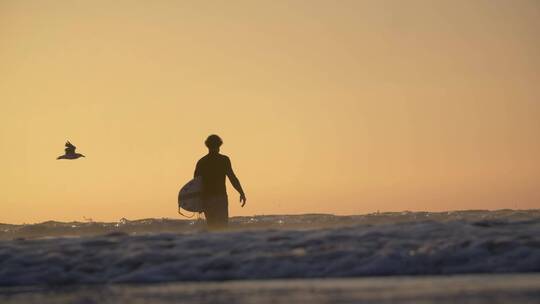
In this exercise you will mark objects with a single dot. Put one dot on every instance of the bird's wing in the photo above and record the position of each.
(70, 148)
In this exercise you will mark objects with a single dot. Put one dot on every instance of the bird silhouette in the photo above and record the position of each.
(70, 152)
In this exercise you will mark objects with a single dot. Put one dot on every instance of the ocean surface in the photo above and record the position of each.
(456, 289)
(472, 256)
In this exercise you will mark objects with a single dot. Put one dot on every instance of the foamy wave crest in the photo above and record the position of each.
(310, 246)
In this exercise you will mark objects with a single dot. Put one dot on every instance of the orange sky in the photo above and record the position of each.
(341, 107)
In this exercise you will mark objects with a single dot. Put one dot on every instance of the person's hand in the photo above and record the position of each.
(243, 199)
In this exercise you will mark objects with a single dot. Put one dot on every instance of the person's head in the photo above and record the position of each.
(213, 142)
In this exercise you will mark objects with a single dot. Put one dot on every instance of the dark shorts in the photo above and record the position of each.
(216, 211)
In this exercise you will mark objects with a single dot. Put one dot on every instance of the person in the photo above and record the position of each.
(212, 169)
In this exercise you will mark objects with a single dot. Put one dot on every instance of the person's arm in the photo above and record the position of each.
(235, 182)
(197, 170)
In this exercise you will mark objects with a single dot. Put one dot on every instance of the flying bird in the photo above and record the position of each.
(70, 152)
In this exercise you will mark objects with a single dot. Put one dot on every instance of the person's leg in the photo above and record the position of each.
(223, 211)
(216, 212)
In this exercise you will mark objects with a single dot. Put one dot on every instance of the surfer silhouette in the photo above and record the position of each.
(212, 169)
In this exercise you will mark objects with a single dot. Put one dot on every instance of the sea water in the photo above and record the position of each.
(441, 289)
(353, 254)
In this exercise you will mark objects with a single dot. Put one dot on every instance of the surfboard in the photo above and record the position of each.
(189, 197)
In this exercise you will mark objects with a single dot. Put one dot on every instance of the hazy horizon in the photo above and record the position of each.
(324, 107)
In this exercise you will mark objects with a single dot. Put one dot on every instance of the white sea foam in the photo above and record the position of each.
(308, 246)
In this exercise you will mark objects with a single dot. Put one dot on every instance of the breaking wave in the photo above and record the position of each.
(264, 247)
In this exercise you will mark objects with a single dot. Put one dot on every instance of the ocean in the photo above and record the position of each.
(398, 257)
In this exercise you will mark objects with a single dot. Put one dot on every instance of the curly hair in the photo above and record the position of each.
(213, 141)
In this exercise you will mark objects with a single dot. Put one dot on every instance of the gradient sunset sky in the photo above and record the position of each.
(343, 107)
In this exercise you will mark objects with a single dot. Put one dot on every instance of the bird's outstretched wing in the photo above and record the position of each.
(70, 148)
